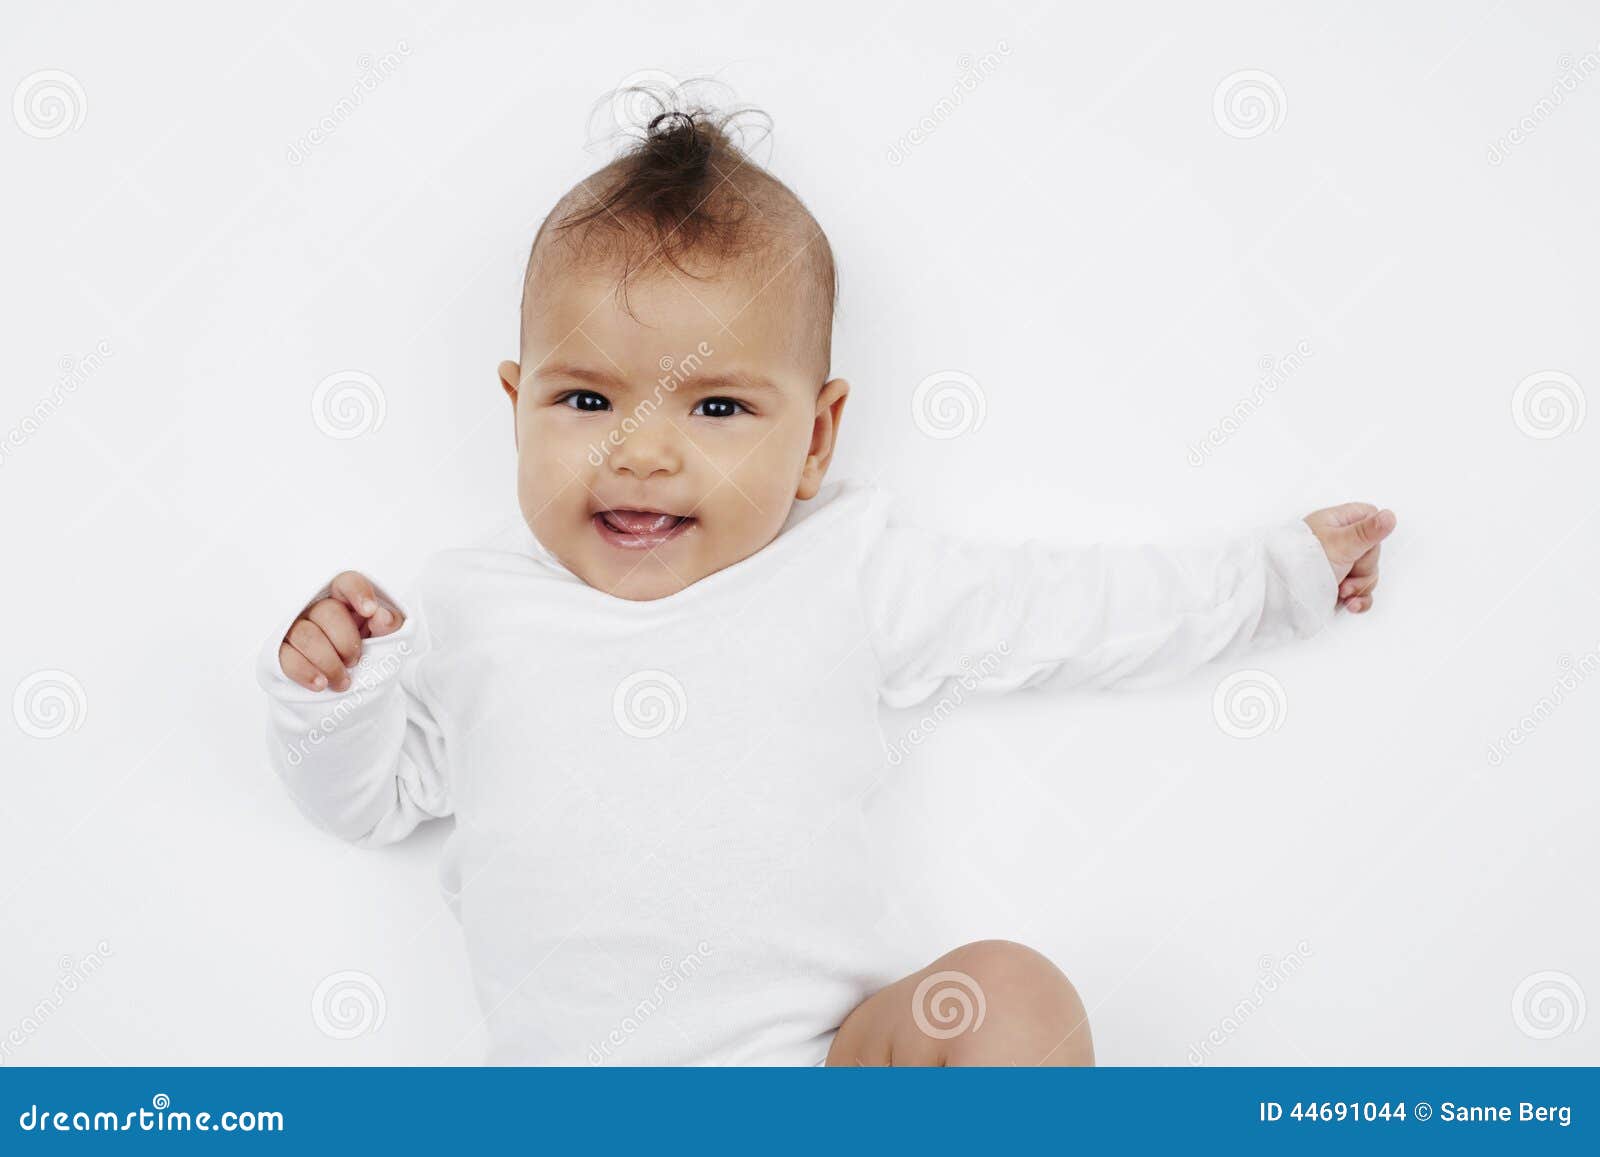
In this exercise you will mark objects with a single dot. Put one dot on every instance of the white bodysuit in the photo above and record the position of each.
(659, 854)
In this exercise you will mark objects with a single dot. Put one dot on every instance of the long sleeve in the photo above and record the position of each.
(1092, 616)
(366, 764)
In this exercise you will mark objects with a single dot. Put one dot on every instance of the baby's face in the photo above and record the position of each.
(656, 449)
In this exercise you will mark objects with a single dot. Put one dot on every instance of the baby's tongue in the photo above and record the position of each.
(640, 521)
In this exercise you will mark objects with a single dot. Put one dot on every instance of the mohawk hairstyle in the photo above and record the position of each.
(686, 196)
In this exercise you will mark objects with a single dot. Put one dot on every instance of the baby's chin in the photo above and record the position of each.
(627, 571)
(643, 583)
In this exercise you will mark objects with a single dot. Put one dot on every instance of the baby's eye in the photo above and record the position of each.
(585, 400)
(718, 408)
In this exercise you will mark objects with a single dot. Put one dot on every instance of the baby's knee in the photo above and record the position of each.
(1019, 1007)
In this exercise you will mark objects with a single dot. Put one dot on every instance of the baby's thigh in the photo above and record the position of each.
(991, 1002)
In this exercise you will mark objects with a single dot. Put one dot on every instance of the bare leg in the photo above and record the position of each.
(991, 1002)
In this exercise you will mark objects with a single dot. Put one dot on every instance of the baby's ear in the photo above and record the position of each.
(824, 437)
(510, 376)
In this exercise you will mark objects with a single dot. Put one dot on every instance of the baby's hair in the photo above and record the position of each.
(686, 196)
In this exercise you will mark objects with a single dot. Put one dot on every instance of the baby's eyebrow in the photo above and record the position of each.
(580, 373)
(732, 379)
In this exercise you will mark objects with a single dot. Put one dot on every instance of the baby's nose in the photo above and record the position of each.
(648, 448)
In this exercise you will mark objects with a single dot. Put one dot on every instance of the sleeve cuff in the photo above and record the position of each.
(1299, 562)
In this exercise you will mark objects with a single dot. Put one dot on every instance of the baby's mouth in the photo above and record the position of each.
(639, 529)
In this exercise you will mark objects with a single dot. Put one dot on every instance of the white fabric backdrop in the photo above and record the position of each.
(203, 222)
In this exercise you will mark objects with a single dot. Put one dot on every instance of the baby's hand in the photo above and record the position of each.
(1350, 535)
(326, 640)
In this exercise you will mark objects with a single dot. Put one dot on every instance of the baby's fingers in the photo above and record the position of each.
(301, 669)
(355, 590)
(1357, 585)
(308, 639)
(340, 626)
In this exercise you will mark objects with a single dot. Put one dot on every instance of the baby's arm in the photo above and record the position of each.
(349, 730)
(1097, 616)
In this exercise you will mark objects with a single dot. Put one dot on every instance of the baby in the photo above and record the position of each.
(653, 714)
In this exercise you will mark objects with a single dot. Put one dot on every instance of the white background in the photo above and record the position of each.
(1082, 234)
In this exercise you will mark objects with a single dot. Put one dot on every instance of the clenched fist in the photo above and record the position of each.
(1350, 535)
(325, 641)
